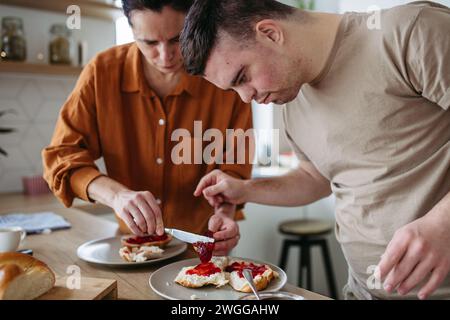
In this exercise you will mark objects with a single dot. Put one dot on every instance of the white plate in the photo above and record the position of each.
(106, 252)
(162, 283)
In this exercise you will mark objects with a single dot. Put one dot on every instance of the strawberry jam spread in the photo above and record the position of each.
(204, 249)
(204, 269)
(240, 266)
(141, 240)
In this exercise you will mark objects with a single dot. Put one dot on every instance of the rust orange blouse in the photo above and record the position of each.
(113, 113)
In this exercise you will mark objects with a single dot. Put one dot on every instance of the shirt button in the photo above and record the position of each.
(158, 201)
(161, 122)
(159, 161)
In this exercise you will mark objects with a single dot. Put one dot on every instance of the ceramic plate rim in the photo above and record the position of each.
(183, 247)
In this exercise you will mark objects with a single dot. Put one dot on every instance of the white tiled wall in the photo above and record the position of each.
(36, 101)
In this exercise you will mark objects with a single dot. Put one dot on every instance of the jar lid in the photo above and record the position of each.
(12, 22)
(60, 29)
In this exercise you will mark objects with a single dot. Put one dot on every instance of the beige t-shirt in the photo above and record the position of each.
(376, 123)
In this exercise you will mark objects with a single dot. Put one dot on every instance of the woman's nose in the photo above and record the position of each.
(166, 53)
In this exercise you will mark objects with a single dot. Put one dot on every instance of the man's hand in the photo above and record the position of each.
(140, 212)
(225, 229)
(419, 251)
(218, 187)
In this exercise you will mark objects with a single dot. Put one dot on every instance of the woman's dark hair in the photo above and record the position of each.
(154, 5)
(207, 18)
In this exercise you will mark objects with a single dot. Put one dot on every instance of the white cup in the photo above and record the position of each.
(10, 238)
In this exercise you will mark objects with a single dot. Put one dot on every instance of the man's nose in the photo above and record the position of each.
(246, 94)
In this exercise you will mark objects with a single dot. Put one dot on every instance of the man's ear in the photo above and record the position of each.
(269, 30)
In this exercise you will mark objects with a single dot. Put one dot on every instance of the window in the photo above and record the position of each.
(123, 31)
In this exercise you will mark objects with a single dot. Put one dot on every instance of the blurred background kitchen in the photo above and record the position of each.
(41, 59)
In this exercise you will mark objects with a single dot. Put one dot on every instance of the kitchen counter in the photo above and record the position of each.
(58, 249)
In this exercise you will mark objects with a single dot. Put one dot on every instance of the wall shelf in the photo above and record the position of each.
(35, 68)
(101, 9)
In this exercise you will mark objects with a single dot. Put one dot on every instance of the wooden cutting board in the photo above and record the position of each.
(91, 289)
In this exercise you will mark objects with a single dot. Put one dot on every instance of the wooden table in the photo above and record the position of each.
(58, 249)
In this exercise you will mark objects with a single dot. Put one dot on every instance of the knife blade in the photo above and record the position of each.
(187, 236)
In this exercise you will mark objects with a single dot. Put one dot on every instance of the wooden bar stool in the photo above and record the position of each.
(308, 233)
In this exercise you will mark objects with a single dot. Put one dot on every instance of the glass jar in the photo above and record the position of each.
(13, 40)
(60, 47)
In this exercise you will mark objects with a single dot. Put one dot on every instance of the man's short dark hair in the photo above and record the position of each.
(207, 18)
(154, 5)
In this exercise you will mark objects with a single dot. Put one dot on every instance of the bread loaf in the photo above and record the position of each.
(23, 277)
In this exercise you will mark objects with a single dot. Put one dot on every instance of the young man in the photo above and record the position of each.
(125, 107)
(367, 111)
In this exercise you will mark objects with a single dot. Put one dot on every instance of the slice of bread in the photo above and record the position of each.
(220, 262)
(157, 242)
(23, 277)
(140, 254)
(261, 281)
(218, 279)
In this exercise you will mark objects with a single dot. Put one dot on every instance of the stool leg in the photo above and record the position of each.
(306, 258)
(328, 269)
(284, 254)
(301, 263)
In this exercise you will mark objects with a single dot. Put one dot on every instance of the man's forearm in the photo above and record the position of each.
(296, 188)
(103, 189)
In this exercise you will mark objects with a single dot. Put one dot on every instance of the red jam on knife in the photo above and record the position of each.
(141, 240)
(204, 249)
(240, 266)
(204, 269)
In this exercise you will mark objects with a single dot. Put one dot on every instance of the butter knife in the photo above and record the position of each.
(187, 236)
